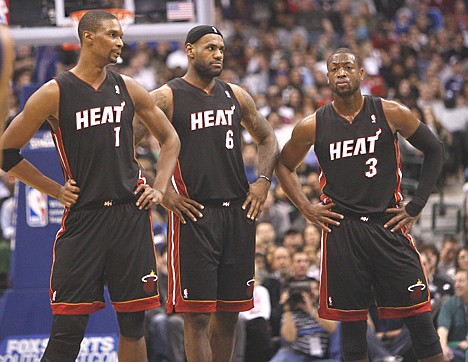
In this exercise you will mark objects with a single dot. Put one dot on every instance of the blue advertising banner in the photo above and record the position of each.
(38, 219)
(29, 348)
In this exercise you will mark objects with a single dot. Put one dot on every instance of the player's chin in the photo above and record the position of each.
(216, 72)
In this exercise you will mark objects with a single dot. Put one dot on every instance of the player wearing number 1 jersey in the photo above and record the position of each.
(213, 208)
(367, 252)
(106, 234)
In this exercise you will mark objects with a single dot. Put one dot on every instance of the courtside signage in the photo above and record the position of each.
(94, 348)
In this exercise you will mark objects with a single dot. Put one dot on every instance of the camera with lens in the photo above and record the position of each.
(295, 300)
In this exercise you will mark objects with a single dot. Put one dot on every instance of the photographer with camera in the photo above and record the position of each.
(306, 336)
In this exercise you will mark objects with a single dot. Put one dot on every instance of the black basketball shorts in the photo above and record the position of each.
(104, 245)
(211, 261)
(362, 262)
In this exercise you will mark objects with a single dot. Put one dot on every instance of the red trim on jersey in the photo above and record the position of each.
(77, 309)
(58, 140)
(179, 186)
(137, 305)
(235, 306)
(323, 181)
(173, 261)
(59, 233)
(398, 195)
(387, 313)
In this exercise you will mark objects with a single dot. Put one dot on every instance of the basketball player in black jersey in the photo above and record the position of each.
(6, 68)
(213, 208)
(106, 234)
(366, 248)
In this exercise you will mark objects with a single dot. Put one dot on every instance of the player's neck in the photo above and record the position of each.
(348, 106)
(90, 73)
(205, 83)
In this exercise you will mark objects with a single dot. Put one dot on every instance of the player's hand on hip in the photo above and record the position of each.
(401, 220)
(322, 215)
(68, 193)
(181, 206)
(148, 196)
(256, 197)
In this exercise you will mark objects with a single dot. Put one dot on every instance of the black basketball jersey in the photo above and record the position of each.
(359, 161)
(95, 138)
(210, 163)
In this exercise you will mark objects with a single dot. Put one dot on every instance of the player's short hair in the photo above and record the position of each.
(92, 20)
(347, 51)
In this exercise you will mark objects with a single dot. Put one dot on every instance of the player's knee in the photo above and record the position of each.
(132, 325)
(423, 336)
(66, 335)
(354, 340)
(197, 321)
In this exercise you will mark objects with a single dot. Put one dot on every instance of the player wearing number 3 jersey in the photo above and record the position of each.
(367, 252)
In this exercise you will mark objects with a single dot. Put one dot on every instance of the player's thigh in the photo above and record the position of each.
(200, 251)
(79, 256)
(399, 278)
(131, 271)
(237, 266)
(345, 275)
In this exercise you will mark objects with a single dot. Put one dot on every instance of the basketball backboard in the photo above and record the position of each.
(153, 19)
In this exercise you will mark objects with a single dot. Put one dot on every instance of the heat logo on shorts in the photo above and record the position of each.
(37, 210)
(416, 290)
(250, 287)
(149, 281)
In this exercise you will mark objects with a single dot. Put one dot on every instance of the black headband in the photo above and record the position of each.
(197, 32)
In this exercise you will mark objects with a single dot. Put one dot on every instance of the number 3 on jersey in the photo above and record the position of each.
(372, 170)
(229, 139)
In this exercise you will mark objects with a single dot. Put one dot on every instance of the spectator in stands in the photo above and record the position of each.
(447, 253)
(293, 240)
(265, 236)
(453, 322)
(461, 261)
(276, 214)
(305, 336)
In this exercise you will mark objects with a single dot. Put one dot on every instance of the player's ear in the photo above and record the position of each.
(88, 36)
(189, 49)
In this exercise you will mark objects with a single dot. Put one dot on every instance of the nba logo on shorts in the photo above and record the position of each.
(36, 208)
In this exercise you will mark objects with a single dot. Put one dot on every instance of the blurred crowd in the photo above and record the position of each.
(414, 52)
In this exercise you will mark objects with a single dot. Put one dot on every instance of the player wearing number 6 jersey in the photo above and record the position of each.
(213, 208)
(367, 252)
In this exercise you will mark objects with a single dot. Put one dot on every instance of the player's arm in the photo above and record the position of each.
(7, 54)
(403, 121)
(43, 103)
(162, 98)
(292, 155)
(159, 126)
(261, 131)
(180, 205)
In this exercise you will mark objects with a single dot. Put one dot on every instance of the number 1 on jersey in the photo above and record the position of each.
(117, 136)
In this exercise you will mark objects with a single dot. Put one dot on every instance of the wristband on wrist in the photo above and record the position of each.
(265, 177)
(413, 209)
